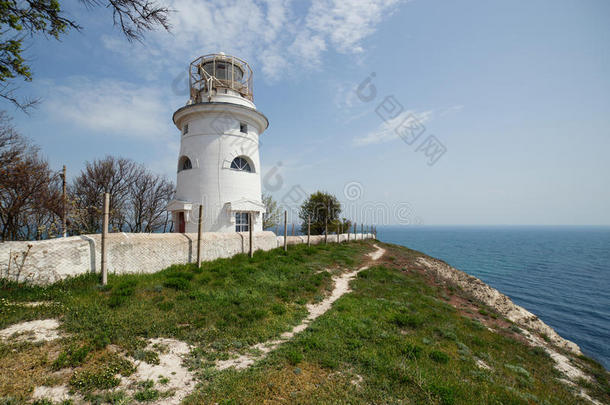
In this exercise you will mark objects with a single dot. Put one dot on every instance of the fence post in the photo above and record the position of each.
(104, 236)
(308, 230)
(362, 231)
(348, 231)
(293, 229)
(339, 233)
(285, 230)
(355, 231)
(250, 234)
(63, 202)
(326, 229)
(199, 223)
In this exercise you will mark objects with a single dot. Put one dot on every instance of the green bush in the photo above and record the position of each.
(408, 320)
(177, 283)
(411, 351)
(439, 357)
(71, 357)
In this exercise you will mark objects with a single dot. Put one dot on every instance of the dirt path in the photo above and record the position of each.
(314, 311)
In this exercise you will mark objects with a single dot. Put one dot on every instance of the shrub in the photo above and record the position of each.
(177, 283)
(71, 357)
(439, 357)
(121, 292)
(147, 356)
(294, 356)
(165, 306)
(445, 394)
(411, 351)
(407, 320)
(146, 393)
(278, 309)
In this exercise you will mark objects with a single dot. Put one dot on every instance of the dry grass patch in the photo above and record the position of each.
(26, 366)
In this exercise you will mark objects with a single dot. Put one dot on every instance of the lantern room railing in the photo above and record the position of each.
(219, 71)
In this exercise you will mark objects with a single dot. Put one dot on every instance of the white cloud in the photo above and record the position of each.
(389, 130)
(264, 32)
(347, 22)
(110, 107)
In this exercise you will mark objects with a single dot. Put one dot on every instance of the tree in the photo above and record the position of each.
(20, 19)
(148, 198)
(273, 213)
(30, 192)
(322, 208)
(138, 197)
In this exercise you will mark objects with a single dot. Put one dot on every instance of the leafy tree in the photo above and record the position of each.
(320, 207)
(273, 215)
(21, 19)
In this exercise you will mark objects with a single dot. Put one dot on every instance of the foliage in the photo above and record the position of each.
(27, 19)
(273, 213)
(321, 209)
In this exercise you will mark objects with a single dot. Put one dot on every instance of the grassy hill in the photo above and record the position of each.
(400, 336)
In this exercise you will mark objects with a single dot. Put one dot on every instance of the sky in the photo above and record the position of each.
(410, 112)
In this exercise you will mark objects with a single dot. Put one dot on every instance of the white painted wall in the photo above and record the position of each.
(49, 261)
(212, 142)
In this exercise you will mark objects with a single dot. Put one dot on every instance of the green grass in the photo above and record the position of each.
(227, 304)
(393, 339)
(404, 345)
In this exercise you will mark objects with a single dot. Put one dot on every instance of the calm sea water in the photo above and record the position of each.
(562, 274)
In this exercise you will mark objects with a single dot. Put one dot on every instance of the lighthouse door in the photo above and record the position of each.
(181, 224)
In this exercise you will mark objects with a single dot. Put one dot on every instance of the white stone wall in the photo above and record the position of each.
(45, 262)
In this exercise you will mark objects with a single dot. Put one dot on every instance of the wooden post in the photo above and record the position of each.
(64, 203)
(104, 236)
(293, 229)
(362, 231)
(308, 230)
(199, 223)
(326, 229)
(348, 231)
(339, 233)
(355, 231)
(285, 230)
(250, 234)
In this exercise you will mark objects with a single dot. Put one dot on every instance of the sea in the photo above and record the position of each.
(561, 274)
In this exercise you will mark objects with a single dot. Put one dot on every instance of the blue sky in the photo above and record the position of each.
(517, 94)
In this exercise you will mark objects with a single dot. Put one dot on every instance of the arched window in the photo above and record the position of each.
(241, 164)
(184, 163)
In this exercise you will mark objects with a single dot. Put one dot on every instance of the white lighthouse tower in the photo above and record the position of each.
(219, 163)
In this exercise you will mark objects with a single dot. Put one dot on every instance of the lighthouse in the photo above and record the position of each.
(218, 166)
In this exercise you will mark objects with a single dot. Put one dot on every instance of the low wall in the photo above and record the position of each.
(48, 261)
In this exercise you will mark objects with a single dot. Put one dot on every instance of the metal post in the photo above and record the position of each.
(64, 203)
(250, 233)
(199, 224)
(104, 236)
(308, 230)
(285, 230)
